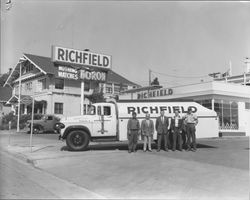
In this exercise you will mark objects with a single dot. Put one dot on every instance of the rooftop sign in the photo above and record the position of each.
(86, 58)
(154, 93)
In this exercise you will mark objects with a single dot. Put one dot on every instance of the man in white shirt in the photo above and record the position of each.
(191, 121)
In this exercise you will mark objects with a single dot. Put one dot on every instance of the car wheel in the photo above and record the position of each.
(77, 140)
(36, 130)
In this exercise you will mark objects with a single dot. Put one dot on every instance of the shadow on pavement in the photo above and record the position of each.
(200, 146)
(124, 147)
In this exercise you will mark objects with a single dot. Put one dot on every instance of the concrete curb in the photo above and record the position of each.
(19, 156)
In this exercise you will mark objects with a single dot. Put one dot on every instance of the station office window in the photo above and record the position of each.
(59, 83)
(206, 103)
(58, 108)
(228, 114)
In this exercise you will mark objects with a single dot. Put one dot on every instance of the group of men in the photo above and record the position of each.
(163, 126)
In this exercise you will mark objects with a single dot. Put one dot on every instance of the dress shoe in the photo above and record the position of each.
(158, 150)
(144, 150)
(150, 150)
(173, 149)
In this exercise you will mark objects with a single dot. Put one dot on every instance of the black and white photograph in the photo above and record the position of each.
(124, 99)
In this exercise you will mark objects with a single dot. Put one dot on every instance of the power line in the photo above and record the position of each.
(174, 76)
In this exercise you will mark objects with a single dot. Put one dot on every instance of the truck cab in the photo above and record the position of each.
(99, 123)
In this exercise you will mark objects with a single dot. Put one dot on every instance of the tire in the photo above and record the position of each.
(36, 129)
(77, 140)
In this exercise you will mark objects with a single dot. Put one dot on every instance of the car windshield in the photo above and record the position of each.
(91, 110)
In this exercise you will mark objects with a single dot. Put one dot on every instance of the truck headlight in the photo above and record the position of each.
(59, 126)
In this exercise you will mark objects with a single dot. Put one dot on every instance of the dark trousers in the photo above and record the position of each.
(132, 140)
(177, 137)
(163, 136)
(191, 135)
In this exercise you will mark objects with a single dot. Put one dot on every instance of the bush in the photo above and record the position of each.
(13, 118)
(4, 127)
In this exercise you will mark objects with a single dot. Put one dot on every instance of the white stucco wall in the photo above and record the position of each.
(244, 118)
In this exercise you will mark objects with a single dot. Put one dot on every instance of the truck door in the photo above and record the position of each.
(105, 125)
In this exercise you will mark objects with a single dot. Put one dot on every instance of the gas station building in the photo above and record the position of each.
(231, 100)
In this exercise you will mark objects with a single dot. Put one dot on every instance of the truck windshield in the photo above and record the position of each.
(91, 110)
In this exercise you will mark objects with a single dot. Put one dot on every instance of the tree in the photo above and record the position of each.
(155, 82)
(3, 78)
(96, 96)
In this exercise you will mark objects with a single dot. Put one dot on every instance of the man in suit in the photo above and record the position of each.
(176, 128)
(147, 130)
(161, 127)
(133, 128)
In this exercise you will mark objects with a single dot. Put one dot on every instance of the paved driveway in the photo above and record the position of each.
(218, 170)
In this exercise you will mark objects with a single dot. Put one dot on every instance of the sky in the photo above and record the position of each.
(180, 42)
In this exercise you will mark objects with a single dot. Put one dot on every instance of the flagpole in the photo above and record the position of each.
(230, 68)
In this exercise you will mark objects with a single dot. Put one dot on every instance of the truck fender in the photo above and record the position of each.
(75, 127)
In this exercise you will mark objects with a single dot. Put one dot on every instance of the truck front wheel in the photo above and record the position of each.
(77, 140)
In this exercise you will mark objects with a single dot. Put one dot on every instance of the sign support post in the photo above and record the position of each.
(82, 96)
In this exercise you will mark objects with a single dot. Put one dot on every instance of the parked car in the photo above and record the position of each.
(44, 125)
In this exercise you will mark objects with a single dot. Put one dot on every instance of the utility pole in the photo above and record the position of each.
(21, 60)
(19, 98)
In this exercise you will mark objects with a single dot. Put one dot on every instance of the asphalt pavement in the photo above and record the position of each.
(218, 170)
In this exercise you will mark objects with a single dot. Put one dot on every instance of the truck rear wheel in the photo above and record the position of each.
(77, 140)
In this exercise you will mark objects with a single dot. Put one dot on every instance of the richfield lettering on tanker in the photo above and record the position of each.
(158, 109)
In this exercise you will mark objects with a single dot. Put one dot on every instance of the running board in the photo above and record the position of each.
(104, 139)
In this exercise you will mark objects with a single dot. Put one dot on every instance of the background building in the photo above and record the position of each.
(54, 94)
